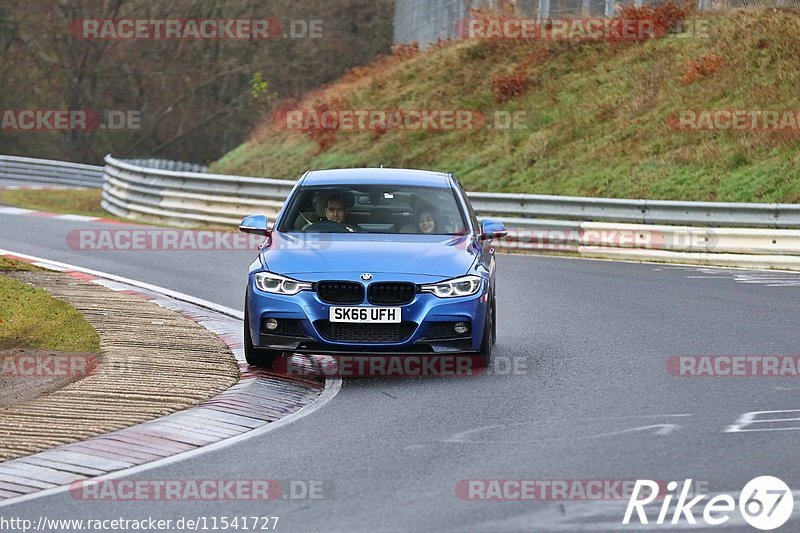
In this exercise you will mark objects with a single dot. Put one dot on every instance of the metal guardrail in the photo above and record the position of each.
(50, 172)
(722, 214)
(131, 190)
(733, 234)
(187, 198)
(729, 234)
(166, 164)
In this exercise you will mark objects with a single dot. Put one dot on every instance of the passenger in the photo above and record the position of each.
(426, 221)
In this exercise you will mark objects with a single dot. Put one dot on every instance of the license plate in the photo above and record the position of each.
(366, 315)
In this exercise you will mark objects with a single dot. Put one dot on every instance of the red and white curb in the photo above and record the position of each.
(260, 402)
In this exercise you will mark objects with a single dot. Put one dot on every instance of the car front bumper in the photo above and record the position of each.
(426, 324)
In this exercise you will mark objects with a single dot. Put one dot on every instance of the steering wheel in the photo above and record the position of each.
(326, 226)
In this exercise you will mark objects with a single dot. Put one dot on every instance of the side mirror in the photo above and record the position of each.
(492, 229)
(257, 224)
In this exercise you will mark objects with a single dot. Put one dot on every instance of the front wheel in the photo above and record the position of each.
(256, 356)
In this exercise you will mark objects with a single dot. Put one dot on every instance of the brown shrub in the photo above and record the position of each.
(702, 67)
(322, 136)
(507, 86)
(537, 56)
(404, 52)
(661, 19)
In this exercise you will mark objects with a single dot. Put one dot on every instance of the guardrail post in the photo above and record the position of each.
(544, 11)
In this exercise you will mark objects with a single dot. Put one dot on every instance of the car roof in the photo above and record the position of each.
(377, 176)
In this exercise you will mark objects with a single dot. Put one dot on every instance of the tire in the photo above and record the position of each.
(494, 321)
(485, 352)
(257, 356)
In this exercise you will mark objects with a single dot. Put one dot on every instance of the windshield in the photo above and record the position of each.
(374, 209)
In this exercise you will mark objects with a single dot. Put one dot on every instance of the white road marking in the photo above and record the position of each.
(598, 515)
(80, 218)
(663, 429)
(768, 278)
(7, 210)
(752, 418)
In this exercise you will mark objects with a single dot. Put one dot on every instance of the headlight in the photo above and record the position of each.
(269, 282)
(463, 286)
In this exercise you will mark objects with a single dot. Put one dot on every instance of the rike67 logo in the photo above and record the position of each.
(765, 503)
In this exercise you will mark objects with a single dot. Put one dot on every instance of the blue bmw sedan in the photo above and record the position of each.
(372, 261)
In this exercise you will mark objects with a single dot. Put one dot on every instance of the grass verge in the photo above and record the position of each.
(75, 202)
(8, 264)
(31, 318)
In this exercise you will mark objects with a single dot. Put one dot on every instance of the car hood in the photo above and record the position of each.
(440, 256)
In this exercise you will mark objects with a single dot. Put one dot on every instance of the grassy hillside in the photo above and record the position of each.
(597, 115)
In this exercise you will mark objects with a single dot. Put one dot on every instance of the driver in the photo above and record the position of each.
(336, 210)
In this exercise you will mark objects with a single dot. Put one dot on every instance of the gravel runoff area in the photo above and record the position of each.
(153, 362)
